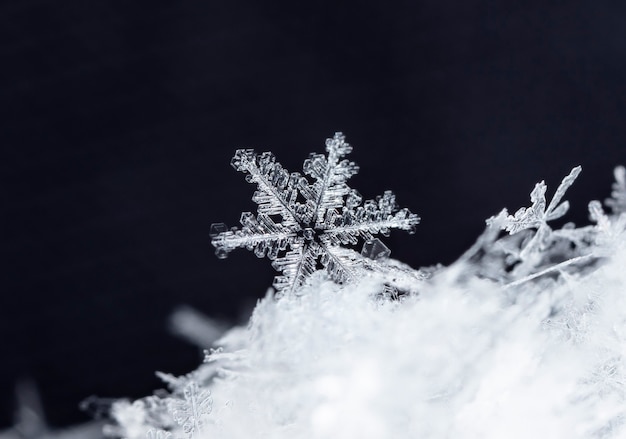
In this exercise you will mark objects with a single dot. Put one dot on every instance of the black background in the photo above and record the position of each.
(118, 121)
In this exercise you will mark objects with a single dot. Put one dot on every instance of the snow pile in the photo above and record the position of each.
(523, 337)
(457, 361)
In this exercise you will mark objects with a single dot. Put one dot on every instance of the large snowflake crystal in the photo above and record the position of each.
(302, 226)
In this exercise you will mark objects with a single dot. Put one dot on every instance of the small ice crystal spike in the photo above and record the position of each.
(319, 214)
(617, 202)
(216, 229)
(375, 249)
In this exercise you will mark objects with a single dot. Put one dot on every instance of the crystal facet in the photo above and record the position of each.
(375, 249)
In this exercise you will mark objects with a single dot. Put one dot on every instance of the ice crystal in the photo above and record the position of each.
(190, 410)
(533, 246)
(538, 214)
(316, 218)
(617, 202)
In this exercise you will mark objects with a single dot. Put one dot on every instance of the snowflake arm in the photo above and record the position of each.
(331, 175)
(261, 234)
(277, 192)
(296, 266)
(556, 210)
(375, 216)
(344, 264)
(341, 264)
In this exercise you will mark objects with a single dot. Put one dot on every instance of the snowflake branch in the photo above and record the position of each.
(340, 262)
(366, 228)
(330, 174)
(296, 266)
(271, 201)
(550, 269)
(260, 233)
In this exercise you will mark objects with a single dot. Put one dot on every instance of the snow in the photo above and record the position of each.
(523, 337)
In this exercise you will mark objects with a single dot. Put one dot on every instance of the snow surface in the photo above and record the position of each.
(523, 337)
(460, 360)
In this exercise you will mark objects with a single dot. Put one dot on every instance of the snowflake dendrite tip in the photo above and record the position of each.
(317, 218)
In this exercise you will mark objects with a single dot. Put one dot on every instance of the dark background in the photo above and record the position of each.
(118, 121)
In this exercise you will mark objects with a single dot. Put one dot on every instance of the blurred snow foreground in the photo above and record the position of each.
(523, 337)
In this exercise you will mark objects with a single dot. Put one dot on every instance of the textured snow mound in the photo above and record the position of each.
(458, 360)
(523, 337)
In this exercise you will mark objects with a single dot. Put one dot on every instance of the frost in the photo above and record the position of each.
(316, 219)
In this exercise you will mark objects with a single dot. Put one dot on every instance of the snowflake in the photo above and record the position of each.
(190, 410)
(316, 219)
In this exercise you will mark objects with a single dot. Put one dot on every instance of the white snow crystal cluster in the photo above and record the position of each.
(316, 220)
(523, 337)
